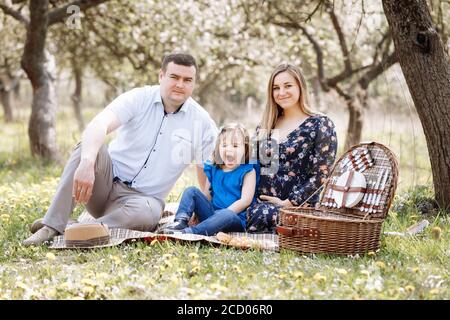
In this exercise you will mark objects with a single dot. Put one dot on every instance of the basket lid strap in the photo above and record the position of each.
(347, 189)
(305, 232)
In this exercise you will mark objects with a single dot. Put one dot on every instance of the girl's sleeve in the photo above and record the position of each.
(322, 159)
(208, 168)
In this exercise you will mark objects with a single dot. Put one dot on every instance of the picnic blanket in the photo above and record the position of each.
(264, 241)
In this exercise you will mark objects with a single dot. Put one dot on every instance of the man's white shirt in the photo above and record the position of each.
(152, 148)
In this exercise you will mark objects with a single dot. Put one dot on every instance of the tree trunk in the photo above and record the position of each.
(5, 96)
(427, 72)
(317, 94)
(355, 121)
(16, 90)
(77, 95)
(39, 68)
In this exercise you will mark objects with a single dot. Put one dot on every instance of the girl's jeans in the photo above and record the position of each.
(211, 221)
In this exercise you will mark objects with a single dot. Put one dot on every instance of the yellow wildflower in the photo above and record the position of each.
(436, 233)
(190, 291)
(50, 256)
(237, 269)
(415, 270)
(318, 277)
(65, 285)
(216, 286)
(410, 288)
(88, 290)
(434, 291)
(88, 282)
(193, 255)
(21, 285)
(116, 259)
(195, 269)
(341, 271)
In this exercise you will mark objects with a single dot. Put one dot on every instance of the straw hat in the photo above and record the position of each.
(86, 234)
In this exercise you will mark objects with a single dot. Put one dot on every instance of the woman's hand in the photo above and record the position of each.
(275, 200)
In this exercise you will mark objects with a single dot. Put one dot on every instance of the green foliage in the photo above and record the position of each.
(417, 199)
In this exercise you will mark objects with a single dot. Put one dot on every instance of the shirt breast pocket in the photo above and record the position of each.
(182, 150)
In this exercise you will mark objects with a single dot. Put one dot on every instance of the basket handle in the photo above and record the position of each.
(306, 232)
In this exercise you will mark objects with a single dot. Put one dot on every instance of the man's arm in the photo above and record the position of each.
(201, 177)
(91, 141)
(206, 191)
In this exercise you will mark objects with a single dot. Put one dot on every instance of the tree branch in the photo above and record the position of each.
(34, 54)
(112, 46)
(342, 42)
(292, 24)
(380, 44)
(310, 15)
(14, 13)
(341, 92)
(378, 69)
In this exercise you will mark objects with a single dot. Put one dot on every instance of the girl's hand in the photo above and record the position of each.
(275, 200)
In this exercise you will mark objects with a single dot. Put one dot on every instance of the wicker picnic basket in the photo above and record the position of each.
(328, 228)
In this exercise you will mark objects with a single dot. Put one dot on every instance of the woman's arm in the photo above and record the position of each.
(323, 156)
(275, 200)
(248, 192)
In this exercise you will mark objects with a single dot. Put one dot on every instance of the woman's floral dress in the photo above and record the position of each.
(302, 163)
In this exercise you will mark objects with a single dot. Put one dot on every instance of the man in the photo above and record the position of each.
(161, 130)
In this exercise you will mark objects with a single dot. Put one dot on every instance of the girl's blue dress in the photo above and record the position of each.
(226, 186)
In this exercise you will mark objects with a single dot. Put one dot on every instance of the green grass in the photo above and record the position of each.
(403, 268)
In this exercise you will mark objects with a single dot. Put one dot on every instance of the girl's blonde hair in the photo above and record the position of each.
(233, 128)
(273, 110)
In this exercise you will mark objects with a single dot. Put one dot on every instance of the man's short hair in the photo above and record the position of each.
(184, 59)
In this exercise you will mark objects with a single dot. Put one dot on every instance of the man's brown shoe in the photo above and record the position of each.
(42, 235)
(37, 224)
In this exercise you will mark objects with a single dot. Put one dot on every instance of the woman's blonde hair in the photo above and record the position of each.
(234, 128)
(273, 110)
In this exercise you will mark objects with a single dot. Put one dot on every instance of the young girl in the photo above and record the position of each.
(229, 190)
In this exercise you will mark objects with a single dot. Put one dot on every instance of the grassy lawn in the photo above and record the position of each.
(404, 268)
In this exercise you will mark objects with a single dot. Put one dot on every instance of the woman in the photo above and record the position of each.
(296, 147)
